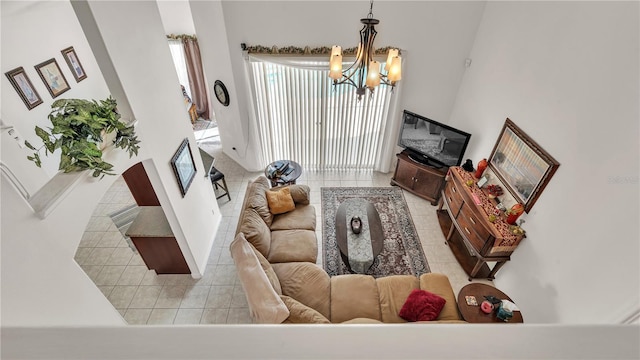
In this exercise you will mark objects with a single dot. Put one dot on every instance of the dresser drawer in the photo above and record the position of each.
(474, 221)
(452, 195)
(472, 229)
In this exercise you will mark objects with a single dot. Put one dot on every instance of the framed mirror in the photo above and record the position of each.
(521, 164)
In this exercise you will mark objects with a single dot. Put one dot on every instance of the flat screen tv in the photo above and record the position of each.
(430, 142)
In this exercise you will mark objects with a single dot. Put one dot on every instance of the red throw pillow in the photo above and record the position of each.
(422, 305)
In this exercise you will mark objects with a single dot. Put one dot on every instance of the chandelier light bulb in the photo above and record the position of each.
(335, 67)
(373, 74)
(395, 69)
(392, 53)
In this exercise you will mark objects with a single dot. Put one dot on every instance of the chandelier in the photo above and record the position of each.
(365, 73)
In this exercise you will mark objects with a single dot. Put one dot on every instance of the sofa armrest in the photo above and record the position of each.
(439, 284)
(300, 313)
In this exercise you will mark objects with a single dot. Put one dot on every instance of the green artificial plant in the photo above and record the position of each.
(78, 129)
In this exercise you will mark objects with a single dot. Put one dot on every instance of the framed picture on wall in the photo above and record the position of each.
(53, 77)
(183, 166)
(20, 81)
(72, 60)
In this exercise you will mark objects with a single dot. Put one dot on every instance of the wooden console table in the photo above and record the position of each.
(472, 238)
(151, 234)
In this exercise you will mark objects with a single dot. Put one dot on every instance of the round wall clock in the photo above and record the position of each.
(221, 92)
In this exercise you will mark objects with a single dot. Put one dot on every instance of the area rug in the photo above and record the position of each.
(202, 124)
(402, 253)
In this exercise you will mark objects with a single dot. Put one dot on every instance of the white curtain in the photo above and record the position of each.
(301, 116)
(177, 53)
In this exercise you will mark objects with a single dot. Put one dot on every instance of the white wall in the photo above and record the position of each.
(436, 37)
(176, 16)
(317, 341)
(567, 74)
(27, 49)
(151, 84)
(215, 50)
(41, 283)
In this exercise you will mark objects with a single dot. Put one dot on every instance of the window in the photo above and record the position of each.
(301, 116)
(177, 53)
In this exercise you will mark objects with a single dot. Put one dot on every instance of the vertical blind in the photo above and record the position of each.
(301, 116)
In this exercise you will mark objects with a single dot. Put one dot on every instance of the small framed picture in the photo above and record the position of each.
(72, 60)
(183, 166)
(53, 77)
(483, 180)
(20, 81)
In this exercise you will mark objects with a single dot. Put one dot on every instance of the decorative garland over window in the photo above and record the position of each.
(181, 37)
(294, 50)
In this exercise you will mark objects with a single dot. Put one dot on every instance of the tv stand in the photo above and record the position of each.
(422, 160)
(418, 178)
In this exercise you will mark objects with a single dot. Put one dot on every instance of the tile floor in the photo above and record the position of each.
(142, 297)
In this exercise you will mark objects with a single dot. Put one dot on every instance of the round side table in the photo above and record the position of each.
(473, 314)
(290, 176)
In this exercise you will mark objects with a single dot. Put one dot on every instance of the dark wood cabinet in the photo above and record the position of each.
(419, 179)
(472, 238)
(151, 234)
(140, 186)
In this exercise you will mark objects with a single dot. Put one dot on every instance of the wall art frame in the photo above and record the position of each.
(72, 60)
(522, 165)
(183, 166)
(20, 81)
(53, 78)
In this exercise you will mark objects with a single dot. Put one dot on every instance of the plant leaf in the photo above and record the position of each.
(78, 127)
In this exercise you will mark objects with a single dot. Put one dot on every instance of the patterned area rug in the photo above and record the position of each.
(402, 253)
(202, 124)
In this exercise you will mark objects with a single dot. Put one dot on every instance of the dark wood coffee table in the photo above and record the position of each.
(371, 235)
(473, 314)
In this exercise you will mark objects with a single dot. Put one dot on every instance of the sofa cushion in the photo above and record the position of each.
(354, 296)
(302, 314)
(300, 193)
(439, 284)
(422, 305)
(268, 270)
(280, 201)
(307, 283)
(393, 292)
(265, 305)
(257, 198)
(303, 217)
(293, 245)
(256, 231)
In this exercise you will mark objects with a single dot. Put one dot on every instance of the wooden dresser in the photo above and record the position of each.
(473, 239)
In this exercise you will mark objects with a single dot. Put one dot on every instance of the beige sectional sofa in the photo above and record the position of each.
(276, 259)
